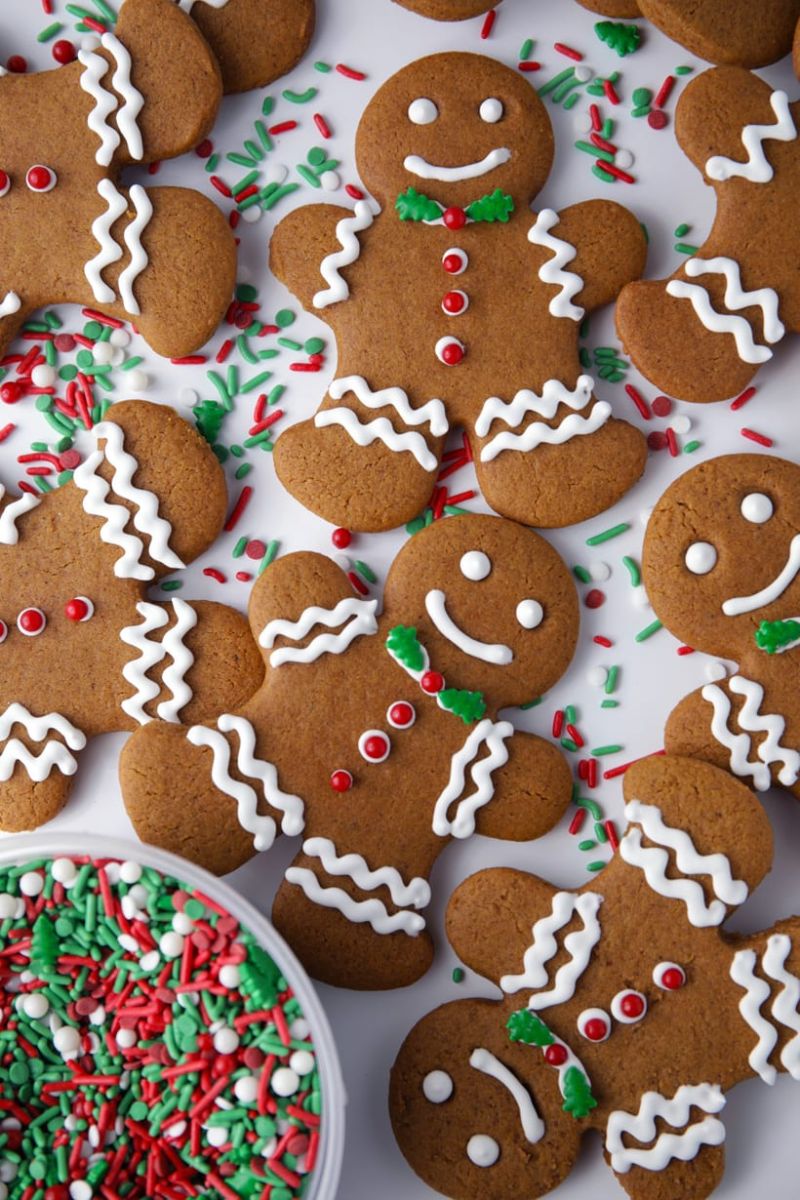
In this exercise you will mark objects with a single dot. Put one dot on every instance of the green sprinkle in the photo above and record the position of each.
(633, 570)
(588, 844)
(240, 547)
(611, 681)
(643, 110)
(602, 751)
(172, 585)
(648, 631)
(681, 230)
(243, 470)
(272, 549)
(323, 67)
(601, 174)
(314, 345)
(595, 151)
(242, 160)
(300, 97)
(570, 714)
(597, 539)
(50, 32)
(556, 81)
(526, 49)
(600, 833)
(686, 248)
(591, 806)
(595, 866)
(458, 974)
(290, 343)
(531, 703)
(642, 96)
(278, 194)
(569, 745)
(284, 318)
(365, 571)
(250, 385)
(212, 163)
(683, 70)
(610, 704)
(263, 135)
(308, 175)
(571, 101)
(690, 447)
(581, 573)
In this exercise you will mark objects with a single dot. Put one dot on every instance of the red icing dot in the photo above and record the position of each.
(595, 1029)
(69, 460)
(454, 262)
(454, 218)
(632, 1005)
(341, 538)
(673, 978)
(432, 682)
(594, 598)
(5, 182)
(556, 1055)
(255, 549)
(17, 64)
(454, 303)
(64, 51)
(374, 746)
(657, 119)
(662, 406)
(341, 781)
(657, 440)
(31, 621)
(3, 631)
(11, 392)
(401, 715)
(40, 178)
(451, 353)
(79, 608)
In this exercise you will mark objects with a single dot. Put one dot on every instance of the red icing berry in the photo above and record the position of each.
(455, 261)
(454, 218)
(595, 1029)
(79, 608)
(662, 406)
(31, 621)
(341, 538)
(374, 746)
(401, 715)
(3, 632)
(556, 1055)
(455, 303)
(432, 682)
(594, 598)
(11, 392)
(341, 781)
(64, 52)
(5, 183)
(17, 64)
(40, 178)
(657, 119)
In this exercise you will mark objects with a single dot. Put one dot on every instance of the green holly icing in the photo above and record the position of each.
(772, 636)
(496, 207)
(45, 948)
(617, 36)
(404, 645)
(578, 1098)
(414, 206)
(524, 1026)
(469, 706)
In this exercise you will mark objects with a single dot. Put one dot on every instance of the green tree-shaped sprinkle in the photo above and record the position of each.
(44, 943)
(208, 417)
(623, 38)
(578, 1098)
(258, 978)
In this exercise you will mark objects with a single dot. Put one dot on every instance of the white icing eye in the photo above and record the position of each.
(669, 976)
(594, 1024)
(482, 1150)
(700, 558)
(757, 508)
(628, 1007)
(491, 110)
(422, 111)
(475, 565)
(437, 1087)
(530, 614)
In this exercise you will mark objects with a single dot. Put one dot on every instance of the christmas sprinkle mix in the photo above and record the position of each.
(148, 1046)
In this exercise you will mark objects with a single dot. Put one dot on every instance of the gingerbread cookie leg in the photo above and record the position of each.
(766, 967)
(38, 759)
(255, 41)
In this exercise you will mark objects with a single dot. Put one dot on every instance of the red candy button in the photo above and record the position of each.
(341, 538)
(3, 632)
(628, 1007)
(79, 608)
(455, 303)
(341, 781)
(40, 178)
(374, 746)
(64, 52)
(401, 715)
(669, 976)
(556, 1055)
(594, 1024)
(454, 218)
(455, 261)
(450, 351)
(31, 621)
(432, 682)
(5, 183)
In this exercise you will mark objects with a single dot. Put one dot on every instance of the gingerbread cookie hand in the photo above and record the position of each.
(83, 651)
(492, 1098)
(401, 750)
(729, 305)
(437, 290)
(254, 41)
(164, 257)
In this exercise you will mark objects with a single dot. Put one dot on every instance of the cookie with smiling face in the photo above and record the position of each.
(453, 306)
(722, 570)
(376, 738)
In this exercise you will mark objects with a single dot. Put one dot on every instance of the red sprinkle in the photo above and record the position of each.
(752, 436)
(613, 772)
(6, 430)
(283, 127)
(672, 443)
(489, 21)
(530, 65)
(221, 186)
(740, 401)
(602, 144)
(662, 406)
(685, 650)
(662, 95)
(353, 192)
(594, 598)
(611, 833)
(657, 119)
(349, 73)
(639, 400)
(358, 583)
(597, 120)
(603, 641)
(568, 51)
(238, 508)
(577, 821)
(591, 774)
(558, 722)
(617, 172)
(213, 573)
(322, 125)
(575, 735)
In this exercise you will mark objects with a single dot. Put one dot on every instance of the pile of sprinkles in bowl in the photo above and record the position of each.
(149, 1047)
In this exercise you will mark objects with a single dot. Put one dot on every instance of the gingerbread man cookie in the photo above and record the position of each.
(721, 563)
(83, 652)
(377, 738)
(702, 334)
(626, 1009)
(453, 306)
(164, 258)
(448, 10)
(255, 41)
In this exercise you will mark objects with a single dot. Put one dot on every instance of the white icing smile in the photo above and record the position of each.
(498, 654)
(738, 605)
(425, 170)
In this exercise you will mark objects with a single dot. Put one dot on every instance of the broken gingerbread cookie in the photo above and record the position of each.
(627, 1009)
(453, 307)
(165, 257)
(83, 651)
(376, 738)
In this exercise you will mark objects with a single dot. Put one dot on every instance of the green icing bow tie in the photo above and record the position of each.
(412, 205)
(774, 636)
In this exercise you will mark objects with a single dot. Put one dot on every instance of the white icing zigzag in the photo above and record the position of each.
(532, 1124)
(105, 102)
(487, 734)
(346, 232)
(526, 402)
(752, 720)
(431, 413)
(360, 617)
(653, 861)
(735, 298)
(667, 1146)
(188, 5)
(109, 251)
(9, 534)
(538, 434)
(757, 169)
(10, 304)
(578, 944)
(373, 911)
(262, 827)
(145, 517)
(364, 433)
(54, 753)
(784, 1008)
(133, 240)
(553, 271)
(151, 653)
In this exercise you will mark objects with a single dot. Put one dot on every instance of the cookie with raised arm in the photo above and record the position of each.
(254, 41)
(164, 257)
(702, 334)
(378, 738)
(82, 649)
(627, 1009)
(453, 306)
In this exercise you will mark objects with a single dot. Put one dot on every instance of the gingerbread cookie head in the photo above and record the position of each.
(722, 553)
(68, 233)
(493, 604)
(626, 1009)
(455, 122)
(255, 41)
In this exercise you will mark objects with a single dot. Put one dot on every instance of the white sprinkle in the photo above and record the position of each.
(130, 872)
(599, 571)
(126, 1038)
(182, 924)
(67, 1041)
(302, 1061)
(252, 214)
(43, 376)
(120, 337)
(79, 1189)
(583, 73)
(127, 942)
(681, 423)
(299, 1029)
(246, 1089)
(149, 961)
(8, 906)
(35, 1005)
(276, 173)
(137, 380)
(624, 159)
(230, 975)
(217, 1135)
(188, 397)
(31, 883)
(330, 181)
(596, 676)
(171, 944)
(226, 1040)
(98, 1016)
(284, 1081)
(103, 353)
(64, 871)
(582, 122)
(640, 599)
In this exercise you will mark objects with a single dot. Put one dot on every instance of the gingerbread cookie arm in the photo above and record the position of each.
(306, 253)
(655, 1170)
(531, 792)
(765, 971)
(689, 729)
(39, 754)
(610, 249)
